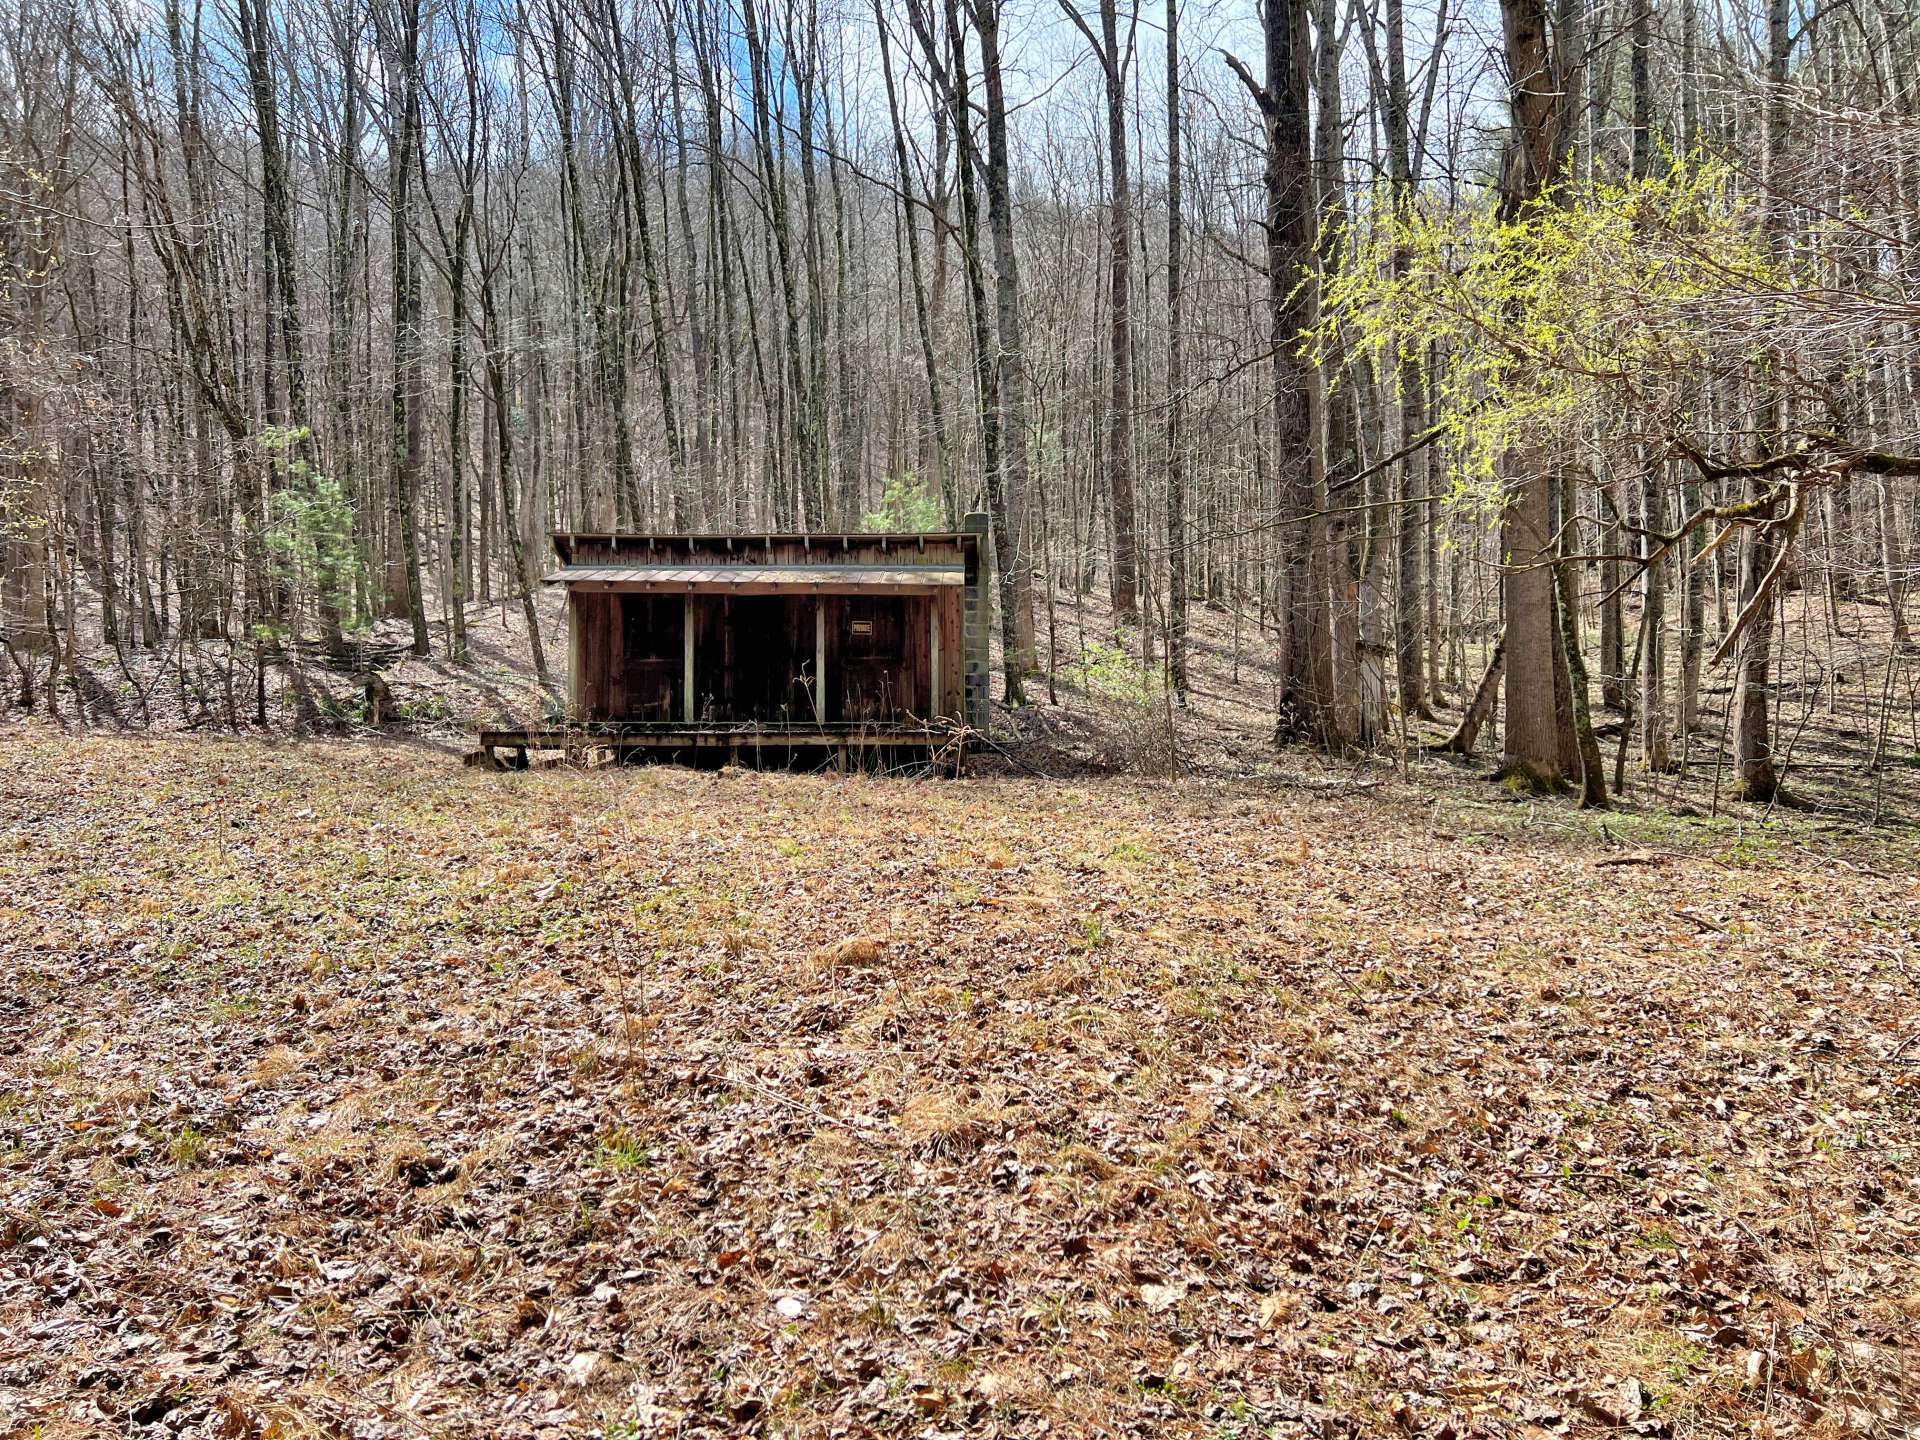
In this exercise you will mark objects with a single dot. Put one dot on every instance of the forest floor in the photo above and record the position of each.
(348, 1091)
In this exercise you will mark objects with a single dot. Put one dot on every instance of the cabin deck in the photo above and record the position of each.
(850, 745)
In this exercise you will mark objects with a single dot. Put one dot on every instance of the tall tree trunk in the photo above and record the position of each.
(1177, 581)
(1124, 586)
(801, 405)
(460, 562)
(1356, 716)
(277, 212)
(407, 411)
(1307, 710)
(503, 440)
(699, 334)
(1016, 569)
(650, 277)
(461, 142)
(1755, 777)
(1533, 729)
(800, 56)
(1694, 577)
(936, 415)
(342, 313)
(1410, 514)
(1654, 749)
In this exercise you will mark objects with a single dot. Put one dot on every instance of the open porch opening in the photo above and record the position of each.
(766, 661)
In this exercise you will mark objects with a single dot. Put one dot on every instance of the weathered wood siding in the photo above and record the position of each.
(630, 656)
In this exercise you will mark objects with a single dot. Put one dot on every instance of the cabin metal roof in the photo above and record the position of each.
(762, 579)
(565, 543)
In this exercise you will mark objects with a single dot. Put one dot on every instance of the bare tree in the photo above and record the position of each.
(1307, 710)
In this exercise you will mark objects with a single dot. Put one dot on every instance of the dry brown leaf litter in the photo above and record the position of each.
(347, 1092)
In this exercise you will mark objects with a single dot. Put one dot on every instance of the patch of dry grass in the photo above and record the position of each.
(651, 1102)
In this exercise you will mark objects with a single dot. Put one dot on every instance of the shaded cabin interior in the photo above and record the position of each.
(879, 635)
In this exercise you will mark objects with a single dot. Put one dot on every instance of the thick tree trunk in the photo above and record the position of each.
(1655, 752)
(1356, 717)
(1307, 710)
(1533, 729)
(1533, 750)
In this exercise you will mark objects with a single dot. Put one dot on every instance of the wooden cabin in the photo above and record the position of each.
(753, 641)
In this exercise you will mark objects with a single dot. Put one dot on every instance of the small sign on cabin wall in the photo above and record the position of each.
(863, 627)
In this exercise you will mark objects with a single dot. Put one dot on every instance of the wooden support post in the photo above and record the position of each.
(820, 661)
(933, 658)
(575, 694)
(686, 685)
